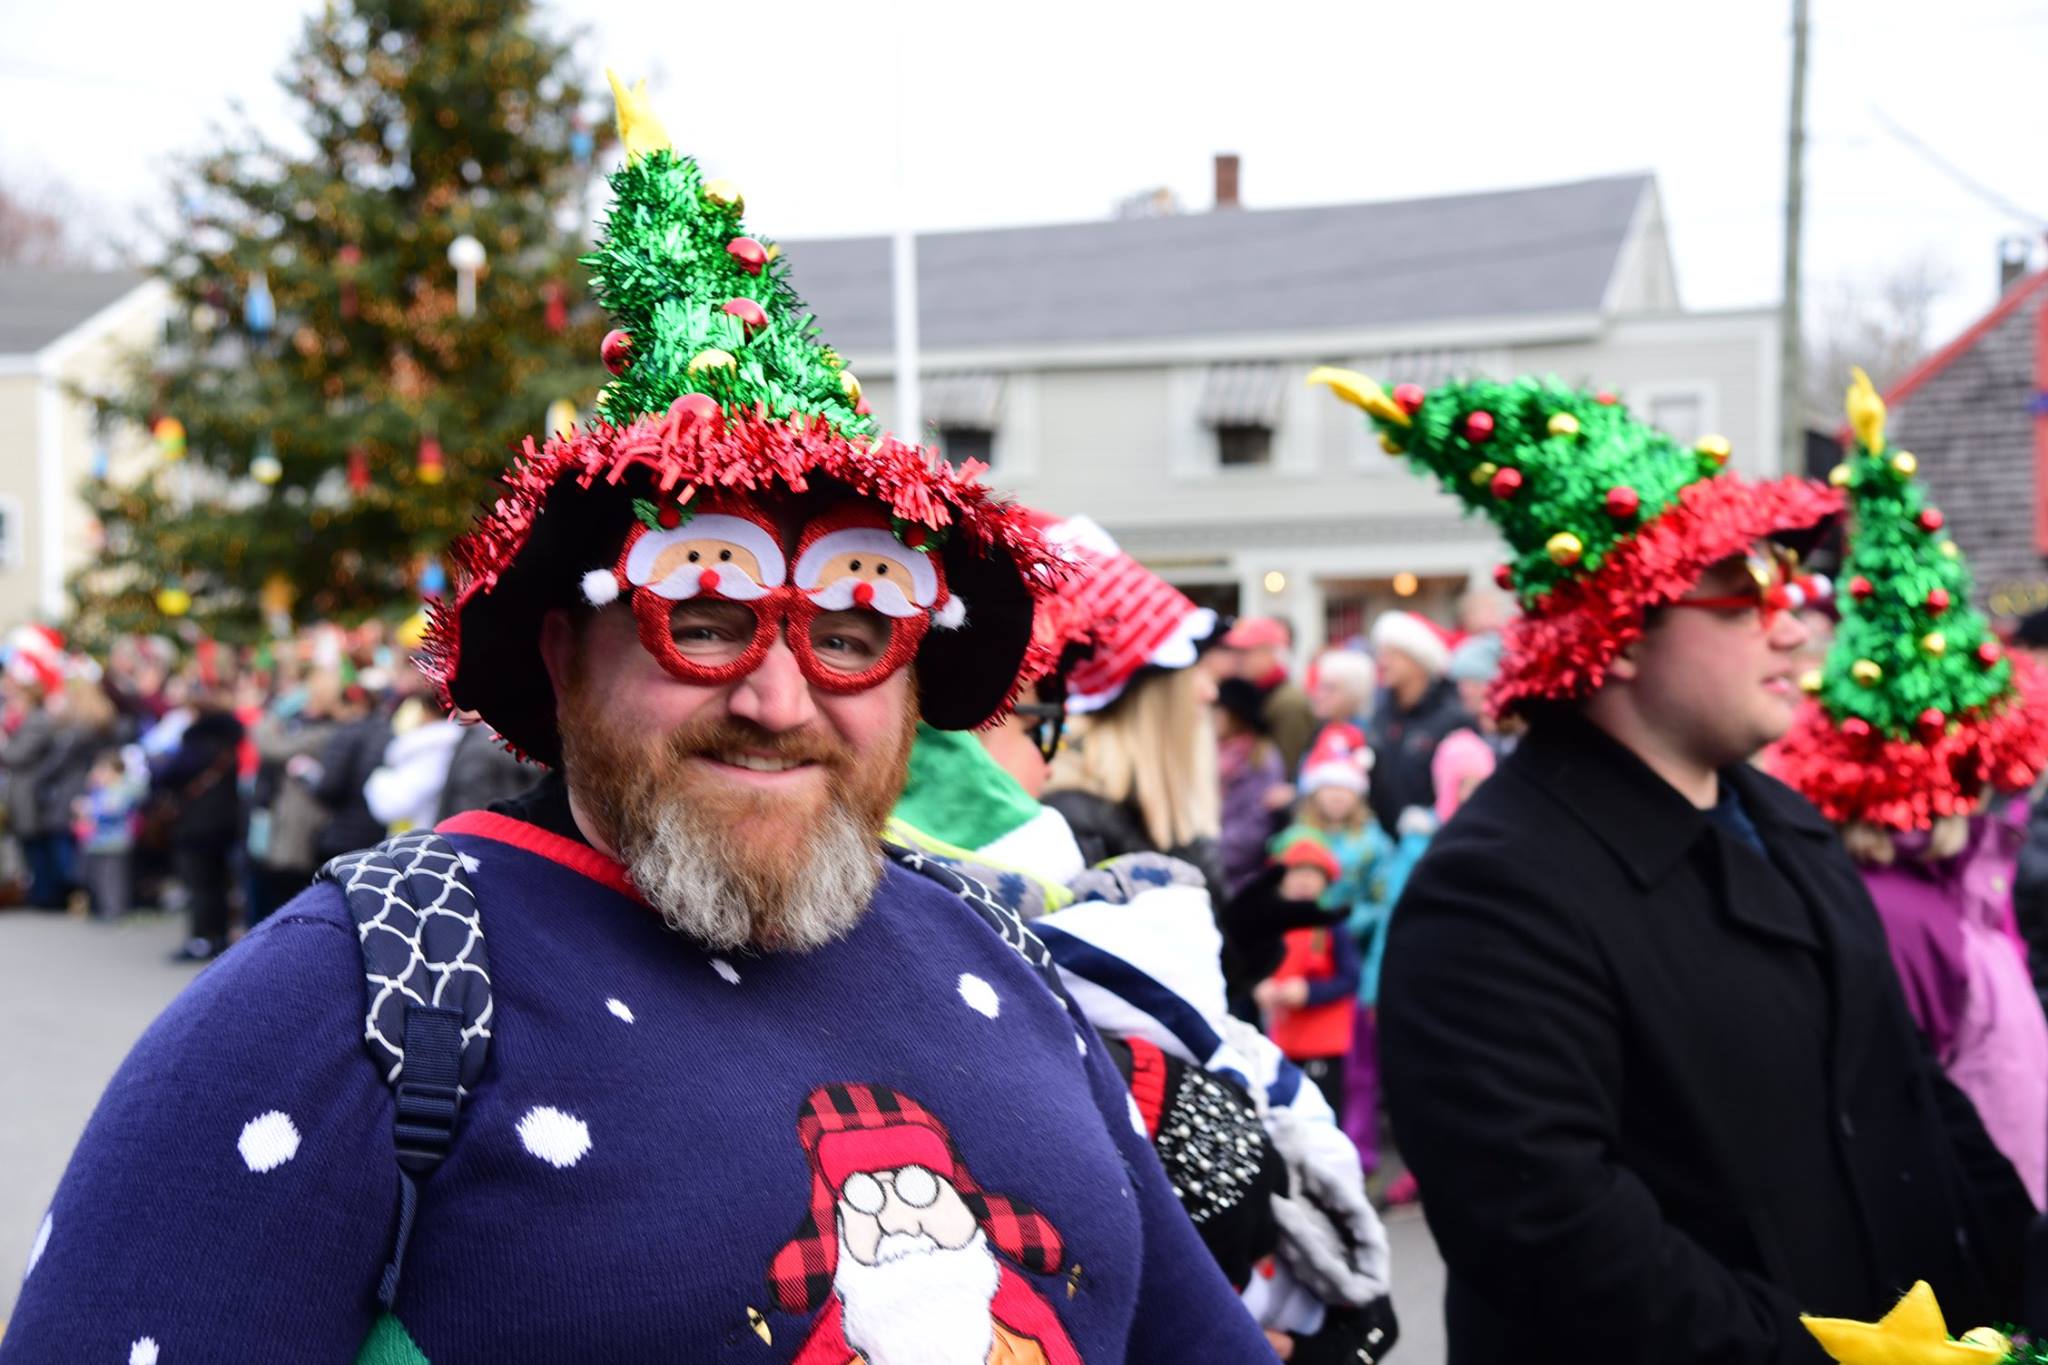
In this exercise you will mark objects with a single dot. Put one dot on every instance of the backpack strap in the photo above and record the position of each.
(427, 984)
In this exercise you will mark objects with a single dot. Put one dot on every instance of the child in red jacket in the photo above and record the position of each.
(1309, 1001)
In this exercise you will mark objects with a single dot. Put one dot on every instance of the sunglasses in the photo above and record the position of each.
(1771, 572)
(1046, 721)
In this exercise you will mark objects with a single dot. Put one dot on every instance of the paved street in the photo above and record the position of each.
(74, 995)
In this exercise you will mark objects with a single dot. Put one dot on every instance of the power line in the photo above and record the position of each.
(1957, 174)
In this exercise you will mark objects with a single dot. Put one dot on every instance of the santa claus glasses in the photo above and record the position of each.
(1772, 572)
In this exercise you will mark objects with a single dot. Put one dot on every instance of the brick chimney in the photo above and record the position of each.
(2015, 253)
(1226, 180)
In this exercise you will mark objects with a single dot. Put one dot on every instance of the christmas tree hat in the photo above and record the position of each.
(1604, 515)
(1919, 709)
(724, 403)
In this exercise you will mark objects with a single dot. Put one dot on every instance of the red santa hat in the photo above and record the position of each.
(35, 654)
(1415, 635)
(1338, 758)
(851, 1128)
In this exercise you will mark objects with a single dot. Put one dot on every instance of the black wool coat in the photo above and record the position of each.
(1662, 1093)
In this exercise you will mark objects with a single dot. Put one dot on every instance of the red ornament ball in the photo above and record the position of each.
(693, 407)
(1479, 426)
(1605, 399)
(752, 316)
(1504, 576)
(1410, 397)
(670, 516)
(1931, 724)
(748, 254)
(1931, 520)
(1860, 589)
(1937, 600)
(1506, 484)
(1855, 727)
(1989, 653)
(1623, 502)
(616, 350)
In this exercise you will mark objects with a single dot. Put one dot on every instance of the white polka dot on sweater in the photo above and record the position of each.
(143, 1352)
(1138, 1118)
(725, 970)
(1080, 1045)
(469, 862)
(619, 1008)
(979, 995)
(557, 1138)
(42, 1242)
(268, 1141)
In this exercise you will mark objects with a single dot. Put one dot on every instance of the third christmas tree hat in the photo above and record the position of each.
(1919, 709)
(728, 422)
(1604, 515)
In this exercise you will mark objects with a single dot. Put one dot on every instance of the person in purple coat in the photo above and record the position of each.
(1249, 766)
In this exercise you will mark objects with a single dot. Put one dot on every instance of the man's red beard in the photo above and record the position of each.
(731, 867)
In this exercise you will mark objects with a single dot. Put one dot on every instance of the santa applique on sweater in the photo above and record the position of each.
(901, 1255)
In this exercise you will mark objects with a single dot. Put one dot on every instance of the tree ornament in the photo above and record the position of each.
(1905, 465)
(1950, 550)
(259, 309)
(712, 359)
(467, 255)
(1483, 472)
(748, 254)
(1866, 672)
(562, 418)
(639, 127)
(752, 315)
(556, 306)
(1504, 576)
(432, 467)
(1390, 445)
(1564, 548)
(1563, 424)
(616, 350)
(1410, 397)
(1623, 502)
(1840, 476)
(726, 195)
(850, 385)
(1937, 600)
(264, 466)
(1931, 724)
(692, 408)
(358, 470)
(1855, 727)
(1478, 426)
(1930, 519)
(170, 438)
(1506, 484)
(173, 600)
(1715, 450)
(1990, 652)
(1810, 681)
(348, 261)
(1935, 643)
(1605, 399)
(1860, 588)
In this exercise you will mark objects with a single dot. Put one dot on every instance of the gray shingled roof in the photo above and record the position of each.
(1550, 249)
(37, 306)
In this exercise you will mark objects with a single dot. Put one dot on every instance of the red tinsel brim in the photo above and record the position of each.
(1563, 645)
(1902, 784)
(744, 452)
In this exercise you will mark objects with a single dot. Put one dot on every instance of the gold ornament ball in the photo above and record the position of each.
(1563, 424)
(726, 195)
(1390, 445)
(1949, 550)
(850, 384)
(1839, 476)
(1905, 465)
(1483, 472)
(713, 359)
(173, 601)
(1990, 1337)
(1564, 548)
(1714, 448)
(1866, 672)
(1935, 643)
(1809, 681)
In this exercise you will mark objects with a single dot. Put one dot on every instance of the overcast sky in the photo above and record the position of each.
(1052, 111)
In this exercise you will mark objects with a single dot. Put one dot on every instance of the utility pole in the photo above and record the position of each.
(1792, 359)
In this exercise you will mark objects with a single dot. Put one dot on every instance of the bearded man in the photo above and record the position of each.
(695, 939)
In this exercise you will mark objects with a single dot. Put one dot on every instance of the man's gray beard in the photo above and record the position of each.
(694, 876)
(925, 1308)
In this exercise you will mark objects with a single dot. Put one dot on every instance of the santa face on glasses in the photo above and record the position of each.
(715, 553)
(858, 562)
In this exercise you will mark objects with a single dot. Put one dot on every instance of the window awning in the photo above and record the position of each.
(962, 400)
(1243, 395)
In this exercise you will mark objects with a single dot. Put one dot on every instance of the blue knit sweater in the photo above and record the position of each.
(652, 1167)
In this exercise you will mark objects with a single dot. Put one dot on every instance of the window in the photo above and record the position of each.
(1241, 446)
(961, 444)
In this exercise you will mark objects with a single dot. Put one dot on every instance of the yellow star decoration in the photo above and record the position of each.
(1866, 413)
(1911, 1334)
(639, 126)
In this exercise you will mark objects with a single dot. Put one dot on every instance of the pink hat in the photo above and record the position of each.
(1257, 632)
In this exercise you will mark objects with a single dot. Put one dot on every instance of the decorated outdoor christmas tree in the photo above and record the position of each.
(1603, 515)
(361, 332)
(1919, 708)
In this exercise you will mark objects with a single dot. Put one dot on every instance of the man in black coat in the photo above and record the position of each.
(1643, 1044)
(1418, 705)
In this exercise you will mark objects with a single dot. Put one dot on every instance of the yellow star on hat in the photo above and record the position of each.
(1911, 1334)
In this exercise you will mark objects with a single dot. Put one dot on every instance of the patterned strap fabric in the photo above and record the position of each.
(422, 940)
(999, 914)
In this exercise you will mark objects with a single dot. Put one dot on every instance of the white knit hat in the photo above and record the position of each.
(1420, 638)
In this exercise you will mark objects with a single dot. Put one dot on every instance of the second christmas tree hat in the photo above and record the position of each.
(1919, 709)
(1604, 516)
(729, 425)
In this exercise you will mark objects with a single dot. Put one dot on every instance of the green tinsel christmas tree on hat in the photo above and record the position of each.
(1604, 515)
(1919, 709)
(724, 405)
